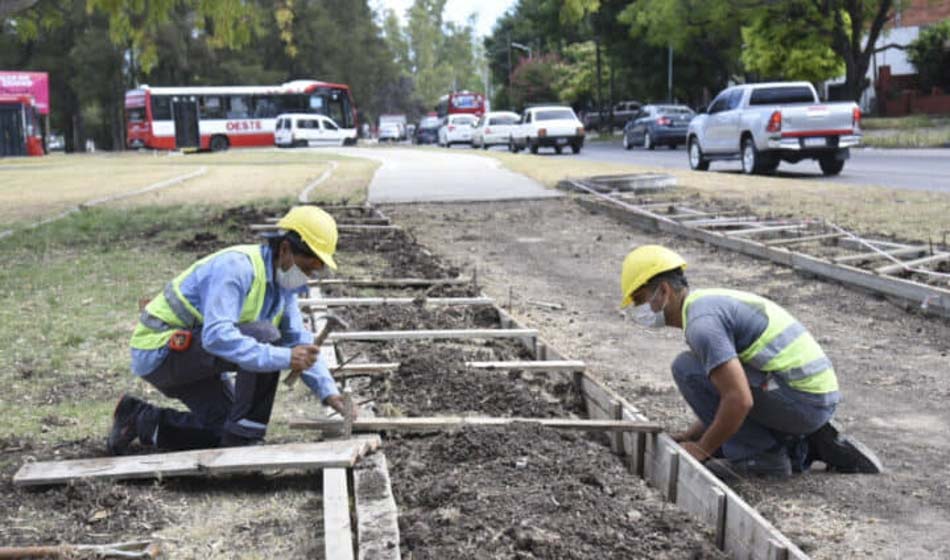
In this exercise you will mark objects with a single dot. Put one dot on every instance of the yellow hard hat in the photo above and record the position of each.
(316, 227)
(642, 264)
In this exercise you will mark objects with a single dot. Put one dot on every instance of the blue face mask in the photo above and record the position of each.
(291, 279)
(644, 315)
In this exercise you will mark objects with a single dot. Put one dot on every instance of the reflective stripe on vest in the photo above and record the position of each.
(171, 310)
(785, 348)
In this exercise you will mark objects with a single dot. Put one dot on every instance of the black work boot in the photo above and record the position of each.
(840, 453)
(773, 464)
(124, 421)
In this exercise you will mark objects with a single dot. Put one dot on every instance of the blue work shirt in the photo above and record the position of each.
(218, 289)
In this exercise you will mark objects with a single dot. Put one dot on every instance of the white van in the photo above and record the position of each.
(302, 129)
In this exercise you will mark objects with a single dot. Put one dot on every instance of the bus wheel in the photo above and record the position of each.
(219, 143)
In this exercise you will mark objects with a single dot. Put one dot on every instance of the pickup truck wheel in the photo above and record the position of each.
(558, 150)
(534, 147)
(831, 165)
(696, 161)
(752, 160)
(648, 141)
(576, 148)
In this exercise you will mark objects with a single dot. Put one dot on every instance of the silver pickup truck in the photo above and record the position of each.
(762, 124)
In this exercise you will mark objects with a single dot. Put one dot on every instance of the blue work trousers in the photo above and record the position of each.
(780, 415)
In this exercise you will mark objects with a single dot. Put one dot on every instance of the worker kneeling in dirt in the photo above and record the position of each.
(761, 386)
(235, 310)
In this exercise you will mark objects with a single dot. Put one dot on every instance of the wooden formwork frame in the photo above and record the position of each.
(782, 251)
(740, 531)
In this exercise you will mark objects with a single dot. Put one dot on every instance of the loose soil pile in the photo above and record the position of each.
(530, 492)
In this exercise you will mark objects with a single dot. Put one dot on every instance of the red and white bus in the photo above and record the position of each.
(460, 102)
(20, 133)
(218, 117)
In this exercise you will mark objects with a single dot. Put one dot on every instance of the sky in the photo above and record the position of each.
(457, 11)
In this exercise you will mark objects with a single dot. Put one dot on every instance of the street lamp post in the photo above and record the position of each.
(522, 47)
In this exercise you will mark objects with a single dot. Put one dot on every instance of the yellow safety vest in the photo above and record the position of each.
(785, 349)
(171, 310)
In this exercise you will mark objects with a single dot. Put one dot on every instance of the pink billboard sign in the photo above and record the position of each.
(31, 83)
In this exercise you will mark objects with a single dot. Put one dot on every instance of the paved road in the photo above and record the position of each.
(904, 169)
(410, 175)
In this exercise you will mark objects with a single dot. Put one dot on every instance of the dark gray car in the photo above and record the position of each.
(658, 125)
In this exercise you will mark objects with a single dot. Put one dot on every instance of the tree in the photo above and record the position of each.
(533, 81)
(778, 46)
(576, 79)
(10, 7)
(930, 55)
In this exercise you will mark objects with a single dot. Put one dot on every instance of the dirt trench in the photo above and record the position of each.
(891, 362)
(524, 492)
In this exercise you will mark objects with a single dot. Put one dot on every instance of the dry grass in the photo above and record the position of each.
(904, 214)
(38, 188)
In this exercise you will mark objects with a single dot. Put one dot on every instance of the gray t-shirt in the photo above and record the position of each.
(718, 327)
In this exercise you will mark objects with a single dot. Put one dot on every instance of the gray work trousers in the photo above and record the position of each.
(216, 406)
(779, 414)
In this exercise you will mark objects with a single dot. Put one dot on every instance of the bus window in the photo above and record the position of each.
(211, 107)
(265, 107)
(161, 108)
(136, 115)
(291, 103)
(239, 107)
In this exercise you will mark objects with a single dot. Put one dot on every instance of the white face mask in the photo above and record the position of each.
(291, 279)
(644, 315)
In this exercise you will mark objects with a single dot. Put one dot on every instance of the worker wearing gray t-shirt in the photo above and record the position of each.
(762, 388)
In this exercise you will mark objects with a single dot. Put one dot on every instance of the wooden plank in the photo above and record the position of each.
(721, 222)
(349, 220)
(937, 299)
(872, 255)
(768, 229)
(431, 334)
(382, 282)
(672, 480)
(802, 239)
(534, 365)
(892, 268)
(777, 550)
(634, 443)
(376, 301)
(336, 516)
(326, 454)
(435, 423)
(377, 525)
(387, 368)
(342, 228)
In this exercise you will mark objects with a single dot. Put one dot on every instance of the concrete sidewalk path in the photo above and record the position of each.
(418, 175)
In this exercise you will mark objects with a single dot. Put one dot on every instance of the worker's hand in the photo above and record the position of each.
(337, 403)
(303, 356)
(695, 450)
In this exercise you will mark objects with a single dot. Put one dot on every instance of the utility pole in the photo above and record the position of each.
(600, 89)
(509, 65)
(669, 76)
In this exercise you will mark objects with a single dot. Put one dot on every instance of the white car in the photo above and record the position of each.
(456, 129)
(494, 129)
(390, 132)
(548, 126)
(302, 129)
